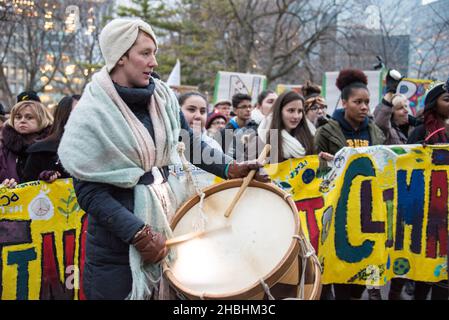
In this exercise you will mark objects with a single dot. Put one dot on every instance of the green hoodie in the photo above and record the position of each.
(330, 138)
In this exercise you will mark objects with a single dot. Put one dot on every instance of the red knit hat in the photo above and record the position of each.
(214, 116)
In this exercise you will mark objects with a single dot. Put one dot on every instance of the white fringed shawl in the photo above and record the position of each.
(104, 142)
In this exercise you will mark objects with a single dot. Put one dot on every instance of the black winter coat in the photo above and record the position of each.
(42, 156)
(112, 224)
(13, 155)
(418, 135)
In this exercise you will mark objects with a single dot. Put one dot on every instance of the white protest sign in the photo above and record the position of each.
(332, 94)
(228, 84)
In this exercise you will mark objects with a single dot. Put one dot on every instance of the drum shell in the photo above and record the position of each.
(286, 272)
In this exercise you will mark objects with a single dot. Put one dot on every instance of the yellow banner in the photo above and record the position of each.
(381, 212)
(40, 242)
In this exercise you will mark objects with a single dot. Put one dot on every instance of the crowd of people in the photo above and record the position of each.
(115, 142)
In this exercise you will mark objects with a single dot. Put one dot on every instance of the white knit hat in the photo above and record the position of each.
(118, 36)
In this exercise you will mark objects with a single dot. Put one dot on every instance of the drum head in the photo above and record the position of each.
(226, 263)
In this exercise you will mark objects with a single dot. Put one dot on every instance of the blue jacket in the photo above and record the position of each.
(354, 138)
(112, 226)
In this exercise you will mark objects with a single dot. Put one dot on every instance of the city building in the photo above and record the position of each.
(49, 46)
(429, 58)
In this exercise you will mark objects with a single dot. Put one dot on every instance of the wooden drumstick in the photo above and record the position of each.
(193, 235)
(265, 152)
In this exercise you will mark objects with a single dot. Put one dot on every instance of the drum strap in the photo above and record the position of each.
(306, 251)
(186, 167)
(266, 288)
(201, 224)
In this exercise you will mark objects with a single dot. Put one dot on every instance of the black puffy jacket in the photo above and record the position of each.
(112, 223)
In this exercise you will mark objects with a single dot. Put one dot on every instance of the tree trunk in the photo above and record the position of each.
(5, 91)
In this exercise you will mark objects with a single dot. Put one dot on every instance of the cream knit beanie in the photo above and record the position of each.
(118, 36)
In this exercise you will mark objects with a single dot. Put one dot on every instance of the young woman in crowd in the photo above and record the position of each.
(290, 134)
(29, 121)
(43, 161)
(194, 107)
(350, 127)
(436, 114)
(264, 105)
(433, 131)
(315, 106)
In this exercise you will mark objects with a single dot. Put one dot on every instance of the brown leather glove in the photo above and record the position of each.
(241, 170)
(150, 244)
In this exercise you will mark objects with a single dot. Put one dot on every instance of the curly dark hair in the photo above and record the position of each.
(349, 79)
(310, 89)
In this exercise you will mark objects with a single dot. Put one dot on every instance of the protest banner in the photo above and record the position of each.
(281, 88)
(41, 242)
(228, 84)
(379, 212)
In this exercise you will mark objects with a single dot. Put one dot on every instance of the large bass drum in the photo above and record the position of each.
(262, 255)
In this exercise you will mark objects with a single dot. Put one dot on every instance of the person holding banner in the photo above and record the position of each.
(117, 144)
(29, 122)
(350, 127)
(393, 116)
(436, 114)
(291, 134)
(43, 162)
(433, 131)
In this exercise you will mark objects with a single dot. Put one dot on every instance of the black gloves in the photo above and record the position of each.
(393, 79)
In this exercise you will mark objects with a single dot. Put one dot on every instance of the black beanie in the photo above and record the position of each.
(27, 96)
(437, 90)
